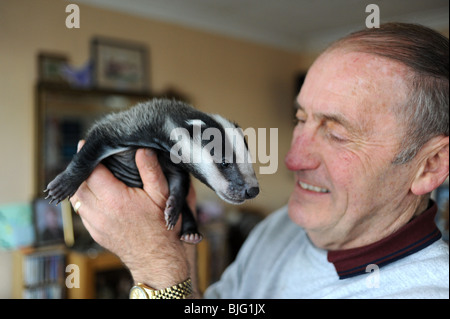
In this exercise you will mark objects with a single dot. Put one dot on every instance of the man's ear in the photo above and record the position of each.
(433, 160)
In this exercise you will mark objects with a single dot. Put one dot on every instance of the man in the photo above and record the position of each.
(371, 144)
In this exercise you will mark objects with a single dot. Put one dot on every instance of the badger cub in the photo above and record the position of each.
(179, 133)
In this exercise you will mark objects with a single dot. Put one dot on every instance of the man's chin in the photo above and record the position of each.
(307, 215)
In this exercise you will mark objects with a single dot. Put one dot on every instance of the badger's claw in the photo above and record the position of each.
(191, 238)
(59, 189)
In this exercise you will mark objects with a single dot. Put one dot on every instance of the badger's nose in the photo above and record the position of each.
(251, 192)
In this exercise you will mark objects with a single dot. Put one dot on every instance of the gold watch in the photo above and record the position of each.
(179, 291)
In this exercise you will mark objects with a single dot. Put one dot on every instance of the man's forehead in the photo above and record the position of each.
(354, 82)
(360, 67)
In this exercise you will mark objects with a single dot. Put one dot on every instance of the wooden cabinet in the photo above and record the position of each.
(64, 114)
(90, 266)
(39, 273)
(48, 273)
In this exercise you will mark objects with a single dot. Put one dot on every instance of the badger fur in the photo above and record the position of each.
(115, 139)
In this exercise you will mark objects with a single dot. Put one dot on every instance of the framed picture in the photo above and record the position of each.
(50, 67)
(119, 65)
(48, 222)
(16, 225)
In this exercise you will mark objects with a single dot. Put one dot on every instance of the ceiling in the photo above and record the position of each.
(296, 25)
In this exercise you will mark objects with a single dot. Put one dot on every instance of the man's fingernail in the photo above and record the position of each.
(80, 143)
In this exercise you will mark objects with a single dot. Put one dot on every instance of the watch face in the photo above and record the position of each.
(138, 293)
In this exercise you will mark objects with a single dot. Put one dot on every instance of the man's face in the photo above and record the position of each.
(343, 147)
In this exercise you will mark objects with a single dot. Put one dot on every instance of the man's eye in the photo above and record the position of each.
(336, 138)
(299, 121)
(335, 132)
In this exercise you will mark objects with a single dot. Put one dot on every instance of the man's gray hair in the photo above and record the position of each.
(426, 53)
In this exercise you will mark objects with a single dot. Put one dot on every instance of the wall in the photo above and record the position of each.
(249, 83)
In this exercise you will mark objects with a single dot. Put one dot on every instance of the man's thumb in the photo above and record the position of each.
(155, 183)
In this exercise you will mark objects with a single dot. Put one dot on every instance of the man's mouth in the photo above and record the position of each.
(313, 188)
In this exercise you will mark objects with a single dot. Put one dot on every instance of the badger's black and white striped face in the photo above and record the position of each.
(214, 150)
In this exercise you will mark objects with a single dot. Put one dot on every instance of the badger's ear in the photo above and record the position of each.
(193, 122)
(195, 127)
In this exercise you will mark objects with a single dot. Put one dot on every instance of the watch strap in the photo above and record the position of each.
(178, 291)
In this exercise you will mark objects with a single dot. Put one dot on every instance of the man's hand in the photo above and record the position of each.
(130, 222)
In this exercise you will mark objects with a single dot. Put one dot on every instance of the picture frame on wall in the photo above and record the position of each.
(50, 67)
(48, 222)
(119, 65)
(53, 224)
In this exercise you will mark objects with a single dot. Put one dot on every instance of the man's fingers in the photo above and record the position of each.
(83, 198)
(102, 181)
(155, 183)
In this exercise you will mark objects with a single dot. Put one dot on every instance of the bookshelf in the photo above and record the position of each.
(93, 268)
(63, 115)
(39, 273)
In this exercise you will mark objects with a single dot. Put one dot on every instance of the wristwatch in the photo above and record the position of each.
(179, 291)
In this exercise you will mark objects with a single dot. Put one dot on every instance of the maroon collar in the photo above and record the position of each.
(419, 233)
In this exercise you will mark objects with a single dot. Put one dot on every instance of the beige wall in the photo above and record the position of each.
(249, 83)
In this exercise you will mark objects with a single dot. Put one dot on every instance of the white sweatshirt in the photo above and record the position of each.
(279, 261)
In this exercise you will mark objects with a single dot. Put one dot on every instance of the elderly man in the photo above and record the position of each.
(370, 145)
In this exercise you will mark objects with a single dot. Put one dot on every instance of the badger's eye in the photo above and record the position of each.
(224, 164)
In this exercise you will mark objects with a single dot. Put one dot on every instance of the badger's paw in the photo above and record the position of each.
(60, 188)
(171, 212)
(191, 238)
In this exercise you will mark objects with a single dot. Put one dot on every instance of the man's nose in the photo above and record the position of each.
(303, 154)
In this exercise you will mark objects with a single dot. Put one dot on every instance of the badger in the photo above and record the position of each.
(176, 131)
